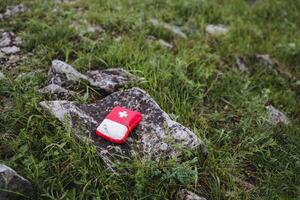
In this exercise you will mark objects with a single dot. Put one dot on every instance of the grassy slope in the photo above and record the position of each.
(228, 112)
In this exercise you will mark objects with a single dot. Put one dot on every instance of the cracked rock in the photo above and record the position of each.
(185, 194)
(12, 11)
(12, 183)
(174, 29)
(157, 136)
(217, 30)
(276, 116)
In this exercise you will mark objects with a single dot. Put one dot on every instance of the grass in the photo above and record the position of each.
(226, 111)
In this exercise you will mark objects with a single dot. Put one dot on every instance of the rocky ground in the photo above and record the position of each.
(217, 84)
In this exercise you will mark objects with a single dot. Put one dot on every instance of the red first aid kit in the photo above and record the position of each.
(118, 124)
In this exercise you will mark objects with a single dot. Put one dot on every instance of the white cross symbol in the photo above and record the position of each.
(123, 114)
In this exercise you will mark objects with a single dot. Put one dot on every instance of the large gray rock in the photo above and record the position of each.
(12, 185)
(171, 28)
(157, 136)
(109, 80)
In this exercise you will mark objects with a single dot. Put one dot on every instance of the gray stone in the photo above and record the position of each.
(165, 44)
(217, 30)
(2, 76)
(12, 185)
(110, 80)
(185, 194)
(65, 1)
(55, 90)
(157, 136)
(64, 75)
(5, 40)
(10, 50)
(276, 116)
(95, 29)
(18, 41)
(174, 29)
(265, 59)
(241, 64)
(12, 11)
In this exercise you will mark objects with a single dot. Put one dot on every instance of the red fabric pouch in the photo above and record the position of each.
(118, 124)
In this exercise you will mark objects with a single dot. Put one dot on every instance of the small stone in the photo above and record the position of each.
(118, 39)
(265, 59)
(18, 41)
(95, 29)
(174, 29)
(5, 40)
(110, 80)
(2, 76)
(12, 183)
(151, 38)
(65, 1)
(164, 146)
(217, 30)
(185, 194)
(241, 64)
(63, 74)
(55, 90)
(276, 116)
(12, 11)
(10, 50)
(165, 44)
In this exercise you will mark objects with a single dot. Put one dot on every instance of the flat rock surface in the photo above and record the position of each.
(12, 183)
(157, 136)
